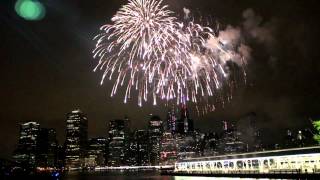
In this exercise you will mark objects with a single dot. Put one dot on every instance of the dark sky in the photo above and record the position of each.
(46, 67)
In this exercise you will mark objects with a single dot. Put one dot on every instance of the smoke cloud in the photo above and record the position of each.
(186, 12)
(235, 40)
(256, 29)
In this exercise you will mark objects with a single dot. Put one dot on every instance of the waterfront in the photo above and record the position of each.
(141, 176)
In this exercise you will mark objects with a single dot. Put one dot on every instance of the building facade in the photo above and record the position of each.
(155, 134)
(132, 154)
(96, 152)
(47, 148)
(118, 142)
(171, 123)
(143, 147)
(211, 141)
(230, 141)
(184, 124)
(27, 145)
(168, 150)
(76, 139)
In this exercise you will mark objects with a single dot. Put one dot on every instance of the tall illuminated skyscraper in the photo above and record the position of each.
(76, 139)
(185, 123)
(171, 123)
(155, 134)
(168, 149)
(96, 152)
(142, 138)
(118, 145)
(27, 146)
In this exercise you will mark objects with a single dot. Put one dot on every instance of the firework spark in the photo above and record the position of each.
(149, 50)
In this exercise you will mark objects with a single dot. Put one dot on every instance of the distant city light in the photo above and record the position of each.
(31, 10)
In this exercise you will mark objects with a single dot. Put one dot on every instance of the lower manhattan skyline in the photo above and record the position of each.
(139, 60)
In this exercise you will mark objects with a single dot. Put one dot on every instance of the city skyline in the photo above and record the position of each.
(156, 144)
(179, 115)
(178, 127)
(44, 77)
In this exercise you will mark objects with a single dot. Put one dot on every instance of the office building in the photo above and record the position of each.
(47, 148)
(184, 123)
(27, 145)
(155, 134)
(96, 152)
(171, 123)
(118, 142)
(76, 139)
(143, 147)
(168, 150)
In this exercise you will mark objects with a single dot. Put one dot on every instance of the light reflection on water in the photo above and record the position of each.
(143, 176)
(207, 178)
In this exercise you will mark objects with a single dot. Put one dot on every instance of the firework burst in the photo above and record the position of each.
(147, 49)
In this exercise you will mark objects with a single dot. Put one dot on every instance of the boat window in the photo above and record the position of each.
(255, 163)
(231, 164)
(265, 163)
(208, 165)
(239, 164)
(225, 164)
(199, 165)
(272, 162)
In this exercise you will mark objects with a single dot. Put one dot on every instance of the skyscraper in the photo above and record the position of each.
(171, 121)
(211, 144)
(60, 156)
(27, 146)
(185, 123)
(132, 154)
(96, 152)
(118, 142)
(168, 152)
(186, 146)
(76, 139)
(47, 148)
(155, 134)
(230, 142)
(143, 146)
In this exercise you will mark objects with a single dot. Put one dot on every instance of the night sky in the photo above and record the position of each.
(46, 67)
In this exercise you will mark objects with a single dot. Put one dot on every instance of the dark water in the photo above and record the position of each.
(133, 176)
(141, 177)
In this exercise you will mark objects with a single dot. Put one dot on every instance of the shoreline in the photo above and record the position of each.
(248, 175)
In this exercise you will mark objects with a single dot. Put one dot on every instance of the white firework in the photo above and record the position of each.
(149, 50)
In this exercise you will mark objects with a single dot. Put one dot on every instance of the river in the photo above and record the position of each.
(131, 176)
